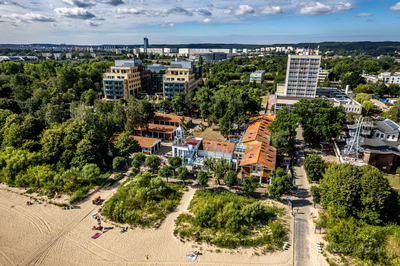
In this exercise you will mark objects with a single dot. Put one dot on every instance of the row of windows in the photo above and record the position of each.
(382, 136)
(178, 79)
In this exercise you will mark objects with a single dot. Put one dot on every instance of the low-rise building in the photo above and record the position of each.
(68, 55)
(259, 160)
(158, 131)
(170, 120)
(258, 76)
(126, 79)
(336, 96)
(148, 145)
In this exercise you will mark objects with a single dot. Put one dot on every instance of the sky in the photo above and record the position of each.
(96, 22)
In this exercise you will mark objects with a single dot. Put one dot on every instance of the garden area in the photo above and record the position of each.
(145, 201)
(228, 220)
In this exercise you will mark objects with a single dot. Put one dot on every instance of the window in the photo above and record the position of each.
(254, 168)
(259, 169)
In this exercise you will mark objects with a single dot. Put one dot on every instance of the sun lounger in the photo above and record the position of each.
(96, 235)
(192, 258)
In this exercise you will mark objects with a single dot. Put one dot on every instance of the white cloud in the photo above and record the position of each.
(92, 24)
(244, 9)
(314, 8)
(75, 13)
(272, 10)
(26, 18)
(79, 3)
(207, 20)
(364, 15)
(343, 7)
(395, 7)
(134, 11)
(229, 10)
(171, 25)
(369, 20)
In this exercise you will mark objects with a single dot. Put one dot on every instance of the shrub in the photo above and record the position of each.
(143, 201)
(119, 163)
(229, 220)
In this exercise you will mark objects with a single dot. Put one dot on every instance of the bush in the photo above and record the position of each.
(316, 194)
(119, 163)
(78, 196)
(229, 220)
(143, 201)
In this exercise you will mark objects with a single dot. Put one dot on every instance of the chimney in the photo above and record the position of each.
(347, 89)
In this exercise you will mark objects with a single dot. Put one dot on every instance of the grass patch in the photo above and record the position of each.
(228, 220)
(144, 201)
(394, 181)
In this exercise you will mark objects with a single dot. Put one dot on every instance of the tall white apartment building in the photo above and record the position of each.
(302, 75)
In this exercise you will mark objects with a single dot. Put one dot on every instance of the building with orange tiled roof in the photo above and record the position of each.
(158, 131)
(148, 145)
(257, 130)
(217, 149)
(259, 158)
(171, 120)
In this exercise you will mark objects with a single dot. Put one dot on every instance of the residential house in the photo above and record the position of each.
(171, 120)
(148, 145)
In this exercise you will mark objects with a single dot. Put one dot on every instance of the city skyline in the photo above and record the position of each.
(97, 22)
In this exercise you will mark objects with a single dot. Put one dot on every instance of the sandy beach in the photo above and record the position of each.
(44, 234)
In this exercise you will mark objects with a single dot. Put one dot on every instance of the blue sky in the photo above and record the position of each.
(95, 22)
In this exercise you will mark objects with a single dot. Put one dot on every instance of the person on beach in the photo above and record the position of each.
(194, 254)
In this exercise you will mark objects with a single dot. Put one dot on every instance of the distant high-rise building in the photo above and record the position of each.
(302, 75)
(146, 43)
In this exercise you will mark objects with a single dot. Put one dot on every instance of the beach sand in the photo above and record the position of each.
(44, 234)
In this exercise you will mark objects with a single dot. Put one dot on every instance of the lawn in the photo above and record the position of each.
(209, 134)
(394, 181)
(145, 201)
(226, 219)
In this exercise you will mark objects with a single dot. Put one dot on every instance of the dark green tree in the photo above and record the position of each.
(202, 178)
(119, 163)
(280, 183)
(314, 166)
(321, 121)
(153, 162)
(165, 172)
(90, 96)
(175, 162)
(250, 184)
(183, 172)
(125, 145)
(230, 179)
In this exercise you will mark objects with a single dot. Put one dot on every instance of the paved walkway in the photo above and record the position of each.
(301, 208)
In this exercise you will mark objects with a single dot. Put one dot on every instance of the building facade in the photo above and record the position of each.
(126, 79)
(302, 75)
(182, 77)
(258, 76)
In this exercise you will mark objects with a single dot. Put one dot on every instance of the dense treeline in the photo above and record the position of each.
(362, 213)
(52, 128)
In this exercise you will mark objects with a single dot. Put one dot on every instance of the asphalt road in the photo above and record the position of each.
(301, 208)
